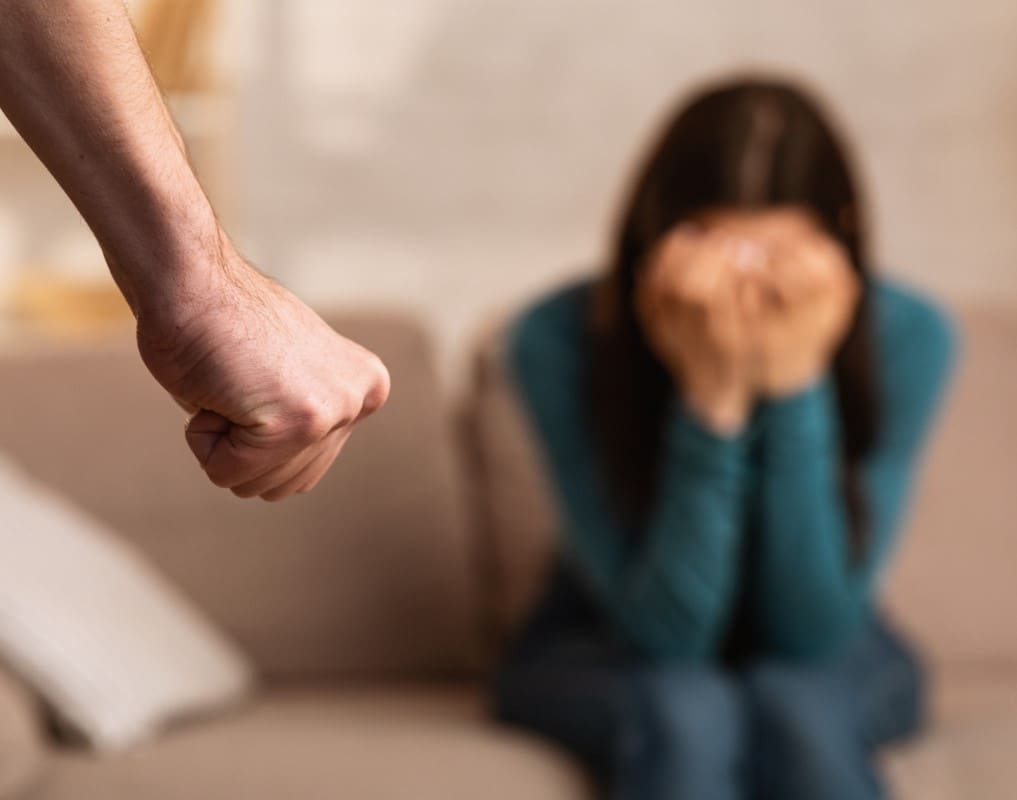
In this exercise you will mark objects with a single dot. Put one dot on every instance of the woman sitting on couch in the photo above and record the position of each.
(731, 417)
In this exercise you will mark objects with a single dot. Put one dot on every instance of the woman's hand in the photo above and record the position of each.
(800, 305)
(689, 305)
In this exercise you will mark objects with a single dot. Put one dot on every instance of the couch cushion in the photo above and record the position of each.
(955, 581)
(389, 744)
(367, 574)
(953, 585)
(514, 510)
(22, 745)
(113, 648)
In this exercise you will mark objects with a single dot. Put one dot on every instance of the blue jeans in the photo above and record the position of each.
(765, 730)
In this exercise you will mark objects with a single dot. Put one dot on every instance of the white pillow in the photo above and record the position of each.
(114, 648)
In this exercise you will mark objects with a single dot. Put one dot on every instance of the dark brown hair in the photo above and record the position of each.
(744, 144)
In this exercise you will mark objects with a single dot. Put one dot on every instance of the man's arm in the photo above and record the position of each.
(274, 389)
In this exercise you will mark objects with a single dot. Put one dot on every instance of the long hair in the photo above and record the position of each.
(745, 144)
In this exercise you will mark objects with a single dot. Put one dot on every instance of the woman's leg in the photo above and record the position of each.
(647, 733)
(694, 734)
(815, 728)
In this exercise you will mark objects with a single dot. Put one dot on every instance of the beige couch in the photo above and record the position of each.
(375, 605)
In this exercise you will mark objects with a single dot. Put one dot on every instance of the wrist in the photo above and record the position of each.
(151, 217)
(800, 427)
(784, 382)
(168, 255)
(722, 410)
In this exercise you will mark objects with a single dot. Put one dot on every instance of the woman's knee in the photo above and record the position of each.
(794, 705)
(806, 739)
(693, 718)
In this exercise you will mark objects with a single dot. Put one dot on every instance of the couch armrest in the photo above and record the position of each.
(22, 738)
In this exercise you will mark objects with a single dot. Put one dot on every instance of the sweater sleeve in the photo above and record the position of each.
(671, 595)
(809, 590)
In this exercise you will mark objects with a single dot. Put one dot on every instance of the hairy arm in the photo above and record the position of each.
(273, 389)
(75, 84)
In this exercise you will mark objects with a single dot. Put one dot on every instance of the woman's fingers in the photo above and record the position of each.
(789, 281)
(673, 257)
(709, 278)
(751, 297)
(832, 285)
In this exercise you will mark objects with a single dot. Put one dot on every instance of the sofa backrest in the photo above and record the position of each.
(368, 574)
(954, 584)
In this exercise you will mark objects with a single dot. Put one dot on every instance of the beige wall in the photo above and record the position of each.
(456, 155)
(453, 155)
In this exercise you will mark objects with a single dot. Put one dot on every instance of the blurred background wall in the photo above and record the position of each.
(454, 156)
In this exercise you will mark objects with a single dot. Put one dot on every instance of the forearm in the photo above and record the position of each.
(684, 573)
(75, 84)
(673, 600)
(671, 592)
(810, 585)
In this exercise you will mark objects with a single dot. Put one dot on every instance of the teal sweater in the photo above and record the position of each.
(674, 595)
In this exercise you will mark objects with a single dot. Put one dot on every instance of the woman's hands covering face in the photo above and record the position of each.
(740, 314)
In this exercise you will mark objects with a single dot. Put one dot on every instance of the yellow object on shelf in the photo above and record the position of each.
(177, 38)
(59, 306)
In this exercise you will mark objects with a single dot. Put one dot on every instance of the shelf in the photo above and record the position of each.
(45, 306)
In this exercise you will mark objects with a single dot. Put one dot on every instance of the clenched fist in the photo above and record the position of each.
(274, 392)
(272, 389)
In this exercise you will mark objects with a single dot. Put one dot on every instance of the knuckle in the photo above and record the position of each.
(379, 387)
(310, 422)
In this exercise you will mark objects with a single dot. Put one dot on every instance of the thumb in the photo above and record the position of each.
(203, 432)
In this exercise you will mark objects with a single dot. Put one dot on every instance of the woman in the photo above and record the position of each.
(731, 418)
